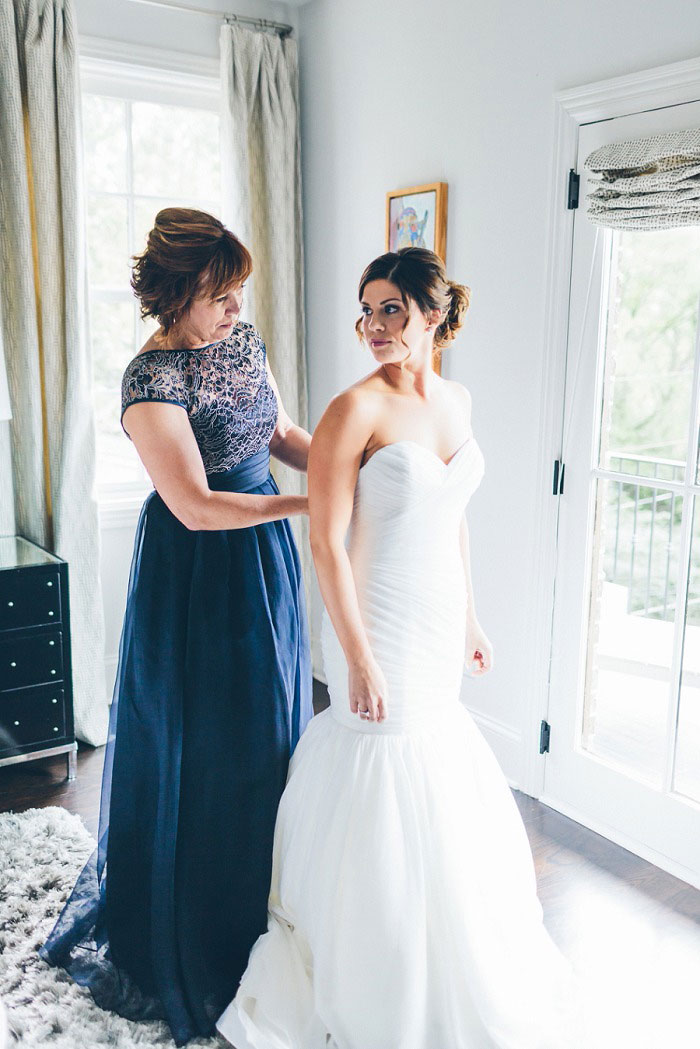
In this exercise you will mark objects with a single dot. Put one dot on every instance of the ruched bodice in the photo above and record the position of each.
(404, 548)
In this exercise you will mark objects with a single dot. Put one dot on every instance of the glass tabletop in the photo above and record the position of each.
(16, 552)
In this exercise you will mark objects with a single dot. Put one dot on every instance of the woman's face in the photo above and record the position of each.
(392, 330)
(212, 319)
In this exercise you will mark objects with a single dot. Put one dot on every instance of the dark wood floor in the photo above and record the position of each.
(608, 910)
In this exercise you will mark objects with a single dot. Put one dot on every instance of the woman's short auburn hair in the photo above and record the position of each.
(189, 254)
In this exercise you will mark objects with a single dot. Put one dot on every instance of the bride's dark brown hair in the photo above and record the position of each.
(420, 275)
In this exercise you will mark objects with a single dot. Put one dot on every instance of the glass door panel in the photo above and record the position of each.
(650, 349)
(630, 633)
(687, 772)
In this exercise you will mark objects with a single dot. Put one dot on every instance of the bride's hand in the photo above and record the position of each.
(479, 653)
(368, 692)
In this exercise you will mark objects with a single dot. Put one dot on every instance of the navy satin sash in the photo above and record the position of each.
(249, 474)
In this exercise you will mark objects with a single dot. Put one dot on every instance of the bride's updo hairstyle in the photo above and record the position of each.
(188, 254)
(420, 275)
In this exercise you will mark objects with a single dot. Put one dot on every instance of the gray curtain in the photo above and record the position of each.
(44, 317)
(262, 204)
(646, 183)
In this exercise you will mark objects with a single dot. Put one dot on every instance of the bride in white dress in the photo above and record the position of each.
(403, 907)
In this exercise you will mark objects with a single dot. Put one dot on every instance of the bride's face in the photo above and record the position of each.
(393, 330)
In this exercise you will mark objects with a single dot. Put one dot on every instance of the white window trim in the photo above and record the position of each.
(657, 88)
(108, 67)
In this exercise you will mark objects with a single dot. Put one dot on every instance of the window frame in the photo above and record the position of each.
(150, 75)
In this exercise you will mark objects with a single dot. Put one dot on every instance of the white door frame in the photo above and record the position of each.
(656, 88)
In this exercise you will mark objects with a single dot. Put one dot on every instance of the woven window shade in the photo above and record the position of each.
(649, 183)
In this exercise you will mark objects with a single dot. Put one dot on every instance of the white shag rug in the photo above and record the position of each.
(41, 853)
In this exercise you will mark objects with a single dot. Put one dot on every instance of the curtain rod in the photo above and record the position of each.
(258, 23)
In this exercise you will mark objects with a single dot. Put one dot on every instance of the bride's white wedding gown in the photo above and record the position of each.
(403, 907)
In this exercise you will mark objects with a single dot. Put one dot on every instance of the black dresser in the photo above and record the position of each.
(36, 691)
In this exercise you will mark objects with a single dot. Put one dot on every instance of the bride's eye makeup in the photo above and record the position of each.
(389, 309)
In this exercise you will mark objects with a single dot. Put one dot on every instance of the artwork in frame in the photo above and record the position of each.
(417, 217)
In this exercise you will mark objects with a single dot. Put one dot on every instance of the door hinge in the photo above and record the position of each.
(572, 193)
(544, 737)
(558, 477)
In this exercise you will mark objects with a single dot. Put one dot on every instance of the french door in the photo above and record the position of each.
(624, 699)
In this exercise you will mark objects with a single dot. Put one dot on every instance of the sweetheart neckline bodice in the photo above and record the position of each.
(416, 444)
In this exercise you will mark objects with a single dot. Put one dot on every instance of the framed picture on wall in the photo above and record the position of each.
(417, 217)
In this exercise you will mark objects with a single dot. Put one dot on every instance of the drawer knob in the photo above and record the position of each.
(50, 613)
(54, 701)
(52, 642)
(10, 604)
(53, 671)
(16, 722)
(49, 584)
(13, 664)
(55, 728)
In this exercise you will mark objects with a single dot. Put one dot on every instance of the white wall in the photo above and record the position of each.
(400, 93)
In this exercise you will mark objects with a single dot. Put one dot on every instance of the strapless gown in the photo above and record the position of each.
(403, 911)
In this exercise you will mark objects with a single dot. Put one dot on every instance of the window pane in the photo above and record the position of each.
(112, 337)
(630, 640)
(687, 776)
(107, 241)
(176, 151)
(104, 142)
(650, 343)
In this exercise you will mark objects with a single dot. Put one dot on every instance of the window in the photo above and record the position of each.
(151, 140)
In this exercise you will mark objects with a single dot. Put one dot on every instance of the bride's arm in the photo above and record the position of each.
(335, 456)
(478, 646)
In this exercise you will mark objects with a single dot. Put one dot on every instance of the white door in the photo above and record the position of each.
(624, 703)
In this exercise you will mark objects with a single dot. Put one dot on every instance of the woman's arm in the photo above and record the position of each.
(167, 448)
(478, 647)
(334, 461)
(290, 443)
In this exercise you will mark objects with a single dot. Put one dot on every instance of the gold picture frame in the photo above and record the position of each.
(417, 217)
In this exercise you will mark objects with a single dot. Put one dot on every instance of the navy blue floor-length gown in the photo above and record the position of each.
(213, 691)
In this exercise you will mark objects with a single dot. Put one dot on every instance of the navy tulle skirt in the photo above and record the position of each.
(213, 691)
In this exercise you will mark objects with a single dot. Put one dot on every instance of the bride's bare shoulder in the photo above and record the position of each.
(458, 389)
(351, 416)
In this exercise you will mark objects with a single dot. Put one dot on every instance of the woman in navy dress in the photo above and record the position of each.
(214, 683)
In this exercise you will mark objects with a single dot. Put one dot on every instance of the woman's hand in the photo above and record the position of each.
(478, 657)
(368, 692)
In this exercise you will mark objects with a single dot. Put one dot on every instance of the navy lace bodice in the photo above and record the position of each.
(224, 389)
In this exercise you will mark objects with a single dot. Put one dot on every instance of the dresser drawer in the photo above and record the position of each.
(36, 715)
(29, 598)
(31, 660)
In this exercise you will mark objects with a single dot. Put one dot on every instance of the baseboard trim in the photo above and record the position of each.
(638, 848)
(506, 743)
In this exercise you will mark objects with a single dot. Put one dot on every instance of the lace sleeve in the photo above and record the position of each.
(157, 375)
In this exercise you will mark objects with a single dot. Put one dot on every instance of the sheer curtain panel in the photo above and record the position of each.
(262, 204)
(44, 317)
